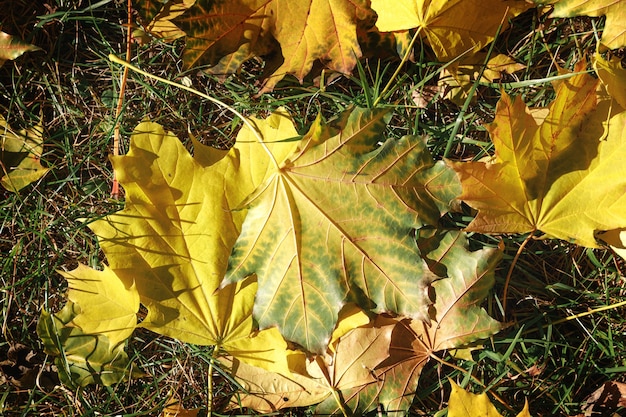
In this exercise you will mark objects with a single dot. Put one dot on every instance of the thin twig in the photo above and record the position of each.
(505, 292)
(220, 103)
(115, 187)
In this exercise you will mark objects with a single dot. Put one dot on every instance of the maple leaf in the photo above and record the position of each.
(452, 28)
(332, 223)
(171, 242)
(556, 176)
(614, 33)
(226, 33)
(12, 47)
(20, 154)
(466, 404)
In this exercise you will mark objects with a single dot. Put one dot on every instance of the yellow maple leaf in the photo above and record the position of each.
(317, 236)
(172, 240)
(226, 33)
(466, 404)
(558, 176)
(452, 27)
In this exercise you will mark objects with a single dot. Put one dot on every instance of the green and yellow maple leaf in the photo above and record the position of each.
(332, 222)
(614, 33)
(452, 28)
(20, 154)
(557, 176)
(466, 404)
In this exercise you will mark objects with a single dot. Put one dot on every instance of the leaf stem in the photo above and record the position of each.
(213, 100)
(115, 187)
(210, 387)
(507, 281)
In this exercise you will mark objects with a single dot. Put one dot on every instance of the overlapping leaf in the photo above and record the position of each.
(332, 223)
(458, 318)
(557, 176)
(378, 373)
(452, 28)
(347, 366)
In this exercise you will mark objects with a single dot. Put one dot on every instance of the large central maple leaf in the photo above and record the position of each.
(333, 222)
(564, 176)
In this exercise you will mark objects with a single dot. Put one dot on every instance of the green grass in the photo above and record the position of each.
(73, 88)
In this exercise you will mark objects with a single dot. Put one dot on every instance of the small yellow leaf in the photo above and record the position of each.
(20, 154)
(466, 404)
